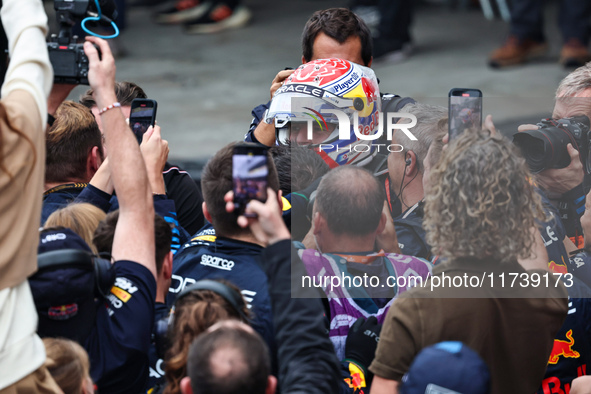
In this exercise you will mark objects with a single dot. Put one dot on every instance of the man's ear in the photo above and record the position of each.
(271, 385)
(381, 224)
(318, 222)
(304, 61)
(167, 266)
(93, 162)
(206, 212)
(186, 385)
(413, 166)
(370, 61)
(280, 200)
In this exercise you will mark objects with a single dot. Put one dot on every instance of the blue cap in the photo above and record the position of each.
(59, 239)
(64, 294)
(447, 368)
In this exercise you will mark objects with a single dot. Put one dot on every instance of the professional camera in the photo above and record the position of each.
(546, 147)
(70, 64)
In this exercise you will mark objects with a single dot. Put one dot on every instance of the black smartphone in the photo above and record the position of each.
(142, 116)
(465, 111)
(249, 174)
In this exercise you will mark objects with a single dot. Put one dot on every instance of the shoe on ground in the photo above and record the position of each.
(517, 51)
(384, 52)
(574, 54)
(181, 11)
(219, 17)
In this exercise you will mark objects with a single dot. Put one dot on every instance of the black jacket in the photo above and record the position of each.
(307, 361)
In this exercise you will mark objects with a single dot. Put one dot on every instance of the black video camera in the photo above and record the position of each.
(545, 147)
(70, 64)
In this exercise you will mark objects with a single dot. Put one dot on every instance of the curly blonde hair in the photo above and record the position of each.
(481, 202)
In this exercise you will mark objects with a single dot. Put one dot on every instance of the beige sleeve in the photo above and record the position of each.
(399, 340)
(29, 69)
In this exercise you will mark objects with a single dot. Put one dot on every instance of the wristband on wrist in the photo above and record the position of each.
(114, 105)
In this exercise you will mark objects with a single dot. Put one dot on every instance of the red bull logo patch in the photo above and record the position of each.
(62, 312)
(357, 380)
(563, 348)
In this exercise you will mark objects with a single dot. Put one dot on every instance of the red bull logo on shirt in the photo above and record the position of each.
(563, 348)
(558, 268)
(357, 379)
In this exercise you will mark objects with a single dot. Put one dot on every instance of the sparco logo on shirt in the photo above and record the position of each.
(217, 262)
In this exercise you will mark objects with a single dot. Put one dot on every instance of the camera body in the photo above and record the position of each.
(70, 64)
(546, 147)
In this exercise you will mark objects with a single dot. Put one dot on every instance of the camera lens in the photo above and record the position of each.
(544, 148)
(534, 150)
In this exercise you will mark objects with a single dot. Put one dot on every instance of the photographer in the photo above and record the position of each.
(233, 252)
(75, 152)
(78, 169)
(180, 187)
(562, 173)
(22, 164)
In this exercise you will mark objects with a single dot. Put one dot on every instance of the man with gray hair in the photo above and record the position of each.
(404, 184)
(564, 186)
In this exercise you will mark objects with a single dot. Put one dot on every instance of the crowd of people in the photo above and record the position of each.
(383, 257)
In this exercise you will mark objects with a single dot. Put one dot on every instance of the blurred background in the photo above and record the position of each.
(207, 85)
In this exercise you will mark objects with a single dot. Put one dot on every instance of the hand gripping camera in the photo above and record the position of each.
(545, 147)
(70, 64)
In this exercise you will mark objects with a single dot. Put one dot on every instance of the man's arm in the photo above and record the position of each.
(400, 342)
(134, 234)
(306, 355)
(384, 386)
(264, 133)
(29, 70)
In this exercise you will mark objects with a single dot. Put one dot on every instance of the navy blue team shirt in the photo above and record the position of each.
(119, 342)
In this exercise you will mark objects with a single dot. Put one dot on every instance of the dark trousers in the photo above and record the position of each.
(121, 18)
(574, 19)
(395, 20)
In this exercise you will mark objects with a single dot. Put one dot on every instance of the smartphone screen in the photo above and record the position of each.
(249, 174)
(465, 111)
(142, 116)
